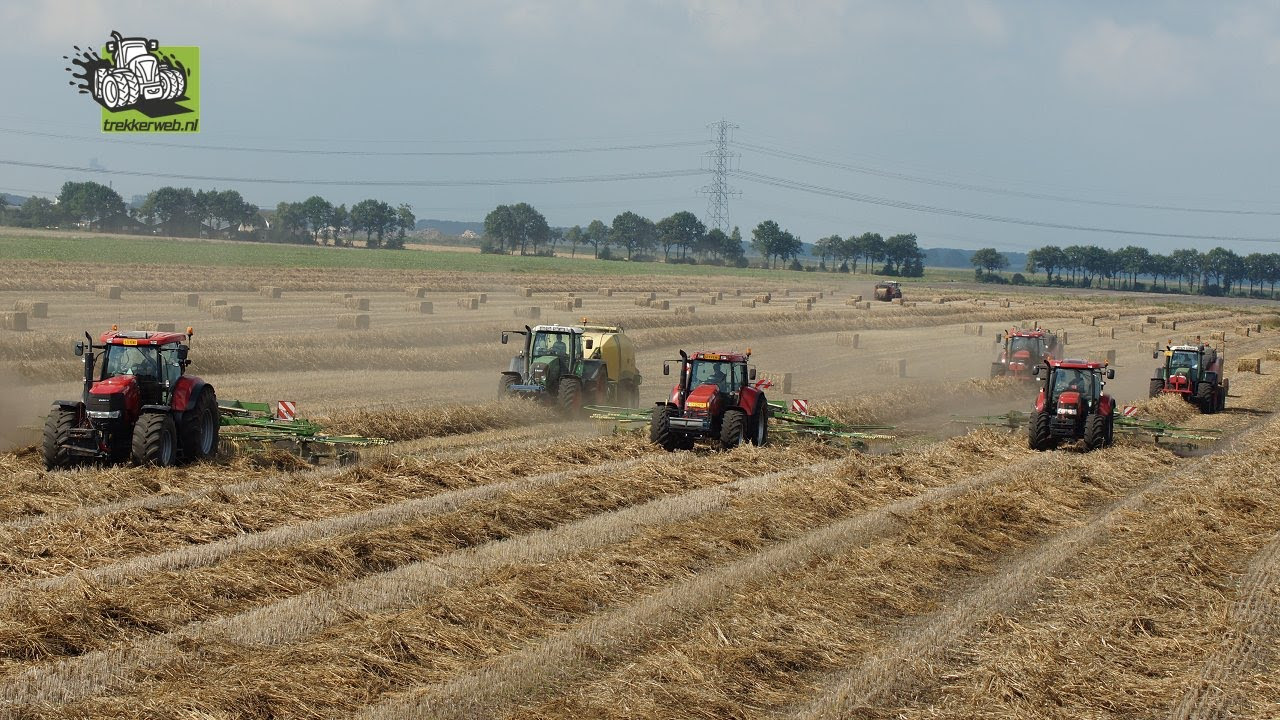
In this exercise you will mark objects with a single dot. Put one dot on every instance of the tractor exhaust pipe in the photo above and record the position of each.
(684, 367)
(88, 366)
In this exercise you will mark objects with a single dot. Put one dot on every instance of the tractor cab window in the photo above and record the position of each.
(556, 343)
(141, 362)
(1068, 380)
(1031, 346)
(171, 369)
(1183, 362)
(720, 374)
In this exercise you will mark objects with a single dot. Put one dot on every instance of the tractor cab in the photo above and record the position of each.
(1071, 404)
(713, 379)
(136, 368)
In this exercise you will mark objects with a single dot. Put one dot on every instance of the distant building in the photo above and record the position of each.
(469, 235)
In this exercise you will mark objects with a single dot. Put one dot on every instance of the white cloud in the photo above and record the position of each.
(1139, 63)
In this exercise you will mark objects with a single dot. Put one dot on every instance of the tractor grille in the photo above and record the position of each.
(105, 407)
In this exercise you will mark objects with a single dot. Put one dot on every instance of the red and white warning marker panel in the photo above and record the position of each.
(800, 406)
(1129, 410)
(286, 410)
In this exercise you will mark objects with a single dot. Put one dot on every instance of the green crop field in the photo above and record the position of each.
(16, 244)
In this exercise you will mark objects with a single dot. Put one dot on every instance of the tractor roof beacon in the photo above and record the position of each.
(138, 404)
(715, 399)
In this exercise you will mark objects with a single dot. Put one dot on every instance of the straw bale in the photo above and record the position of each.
(685, 309)
(234, 313)
(642, 302)
(1273, 353)
(853, 301)
(210, 303)
(529, 313)
(1107, 332)
(342, 298)
(711, 299)
(856, 298)
(749, 303)
(357, 303)
(15, 320)
(896, 301)
(469, 303)
(188, 299)
(676, 291)
(1169, 325)
(849, 340)
(804, 305)
(526, 292)
(482, 297)
(157, 327)
(606, 292)
(1244, 330)
(1152, 319)
(353, 321)
(1249, 365)
(565, 305)
(269, 292)
(109, 292)
(417, 291)
(422, 307)
(660, 304)
(33, 308)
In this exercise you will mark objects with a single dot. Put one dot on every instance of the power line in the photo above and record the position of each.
(653, 175)
(360, 153)
(916, 207)
(938, 182)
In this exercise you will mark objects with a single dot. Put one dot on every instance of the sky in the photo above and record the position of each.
(971, 123)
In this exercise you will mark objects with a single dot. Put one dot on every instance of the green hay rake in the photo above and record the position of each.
(1155, 429)
(783, 422)
(254, 427)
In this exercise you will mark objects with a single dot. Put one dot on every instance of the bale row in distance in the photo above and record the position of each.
(16, 320)
(353, 321)
(109, 292)
(32, 308)
(270, 292)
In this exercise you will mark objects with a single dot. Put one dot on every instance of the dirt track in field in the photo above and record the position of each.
(495, 562)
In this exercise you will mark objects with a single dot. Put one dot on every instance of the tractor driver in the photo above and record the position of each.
(134, 362)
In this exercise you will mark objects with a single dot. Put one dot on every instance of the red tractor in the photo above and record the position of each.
(1023, 351)
(1071, 405)
(138, 404)
(1195, 373)
(714, 400)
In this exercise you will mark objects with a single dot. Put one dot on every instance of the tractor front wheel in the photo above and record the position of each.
(1095, 432)
(1155, 387)
(733, 429)
(57, 433)
(154, 440)
(200, 428)
(660, 428)
(1038, 435)
(504, 385)
(569, 393)
(1204, 398)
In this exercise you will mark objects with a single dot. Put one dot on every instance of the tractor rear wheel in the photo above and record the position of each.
(57, 432)
(173, 84)
(1155, 387)
(200, 428)
(660, 428)
(733, 429)
(1204, 398)
(1038, 435)
(1095, 432)
(1223, 390)
(569, 393)
(154, 440)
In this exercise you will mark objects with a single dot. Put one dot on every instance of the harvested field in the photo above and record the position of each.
(498, 560)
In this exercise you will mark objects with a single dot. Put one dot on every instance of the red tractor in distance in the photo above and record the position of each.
(1023, 351)
(1072, 406)
(1195, 373)
(714, 400)
(138, 404)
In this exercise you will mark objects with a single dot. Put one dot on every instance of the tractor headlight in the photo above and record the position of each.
(104, 414)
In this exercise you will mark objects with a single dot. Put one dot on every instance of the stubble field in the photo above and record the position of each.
(497, 562)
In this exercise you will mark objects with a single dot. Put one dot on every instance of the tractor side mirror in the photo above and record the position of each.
(1155, 354)
(504, 338)
(111, 46)
(666, 368)
(79, 349)
(182, 353)
(751, 373)
(1111, 373)
(1035, 370)
(590, 344)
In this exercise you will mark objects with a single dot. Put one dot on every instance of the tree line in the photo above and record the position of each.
(184, 212)
(1217, 271)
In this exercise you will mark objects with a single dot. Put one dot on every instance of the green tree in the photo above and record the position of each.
(500, 228)
(531, 227)
(681, 230)
(901, 251)
(1186, 266)
(633, 232)
(341, 218)
(290, 224)
(175, 209)
(89, 202)
(38, 212)
(767, 240)
(402, 221)
(871, 247)
(597, 234)
(989, 259)
(733, 250)
(827, 247)
(1047, 258)
(575, 237)
(319, 213)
